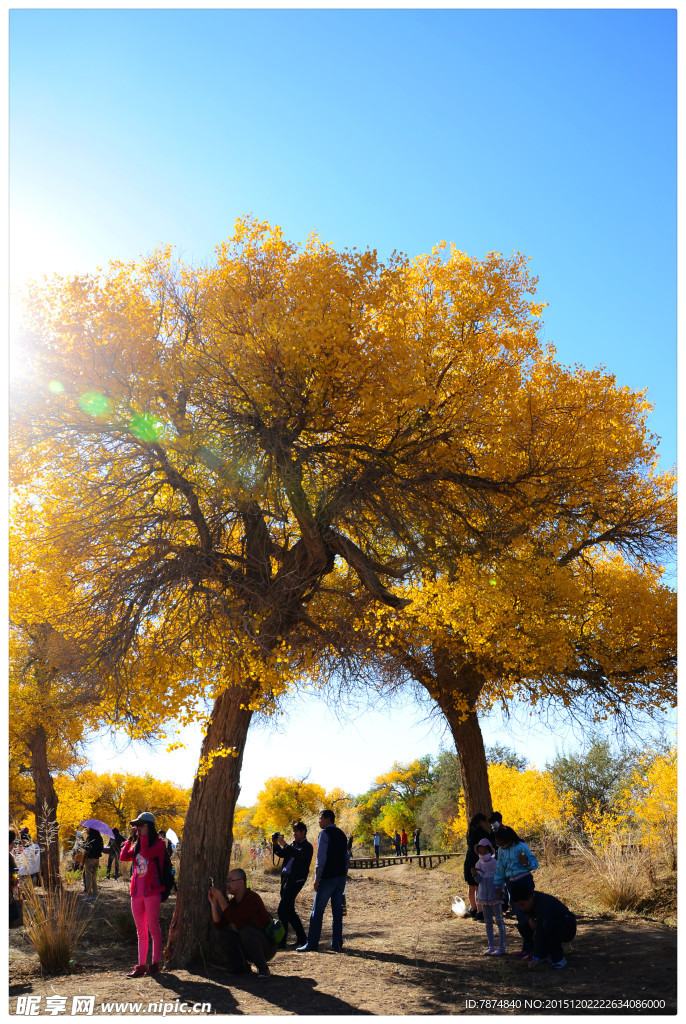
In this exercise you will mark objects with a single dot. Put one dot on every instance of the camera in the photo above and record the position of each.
(277, 835)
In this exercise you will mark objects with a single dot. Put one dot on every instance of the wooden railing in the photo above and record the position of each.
(425, 860)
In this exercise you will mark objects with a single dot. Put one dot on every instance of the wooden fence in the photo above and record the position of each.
(425, 860)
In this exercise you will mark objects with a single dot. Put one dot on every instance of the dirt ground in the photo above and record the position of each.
(405, 953)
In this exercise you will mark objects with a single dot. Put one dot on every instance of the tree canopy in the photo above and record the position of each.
(221, 468)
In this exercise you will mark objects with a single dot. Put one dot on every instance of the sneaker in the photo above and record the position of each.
(154, 969)
(499, 951)
(522, 955)
(335, 949)
(559, 964)
(305, 949)
(138, 971)
(263, 972)
(489, 951)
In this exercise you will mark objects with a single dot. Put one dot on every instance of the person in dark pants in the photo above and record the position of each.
(377, 845)
(415, 836)
(329, 883)
(243, 920)
(297, 857)
(478, 829)
(544, 925)
(113, 850)
(396, 843)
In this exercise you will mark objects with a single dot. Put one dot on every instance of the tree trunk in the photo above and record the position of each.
(464, 686)
(208, 831)
(45, 808)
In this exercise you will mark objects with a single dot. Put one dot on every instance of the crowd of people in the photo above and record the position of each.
(498, 870)
(400, 843)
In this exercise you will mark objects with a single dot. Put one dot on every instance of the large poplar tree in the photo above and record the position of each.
(212, 447)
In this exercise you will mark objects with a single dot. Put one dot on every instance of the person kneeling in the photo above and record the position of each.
(546, 923)
(243, 920)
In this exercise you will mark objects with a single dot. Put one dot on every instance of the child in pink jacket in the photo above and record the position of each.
(491, 901)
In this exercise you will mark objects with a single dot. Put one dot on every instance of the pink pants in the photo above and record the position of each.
(146, 914)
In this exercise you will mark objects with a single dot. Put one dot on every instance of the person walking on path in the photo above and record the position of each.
(377, 845)
(489, 898)
(146, 850)
(92, 851)
(113, 850)
(329, 883)
(243, 920)
(297, 857)
(478, 829)
(546, 924)
(396, 843)
(415, 837)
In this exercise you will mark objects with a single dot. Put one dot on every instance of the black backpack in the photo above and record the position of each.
(167, 876)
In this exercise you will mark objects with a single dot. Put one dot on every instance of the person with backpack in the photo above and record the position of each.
(92, 852)
(148, 853)
(113, 850)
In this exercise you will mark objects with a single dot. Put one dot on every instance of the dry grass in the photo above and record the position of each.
(619, 875)
(54, 922)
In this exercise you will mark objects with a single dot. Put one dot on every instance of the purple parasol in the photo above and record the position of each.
(99, 826)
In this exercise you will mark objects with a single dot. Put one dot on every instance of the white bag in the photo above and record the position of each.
(459, 907)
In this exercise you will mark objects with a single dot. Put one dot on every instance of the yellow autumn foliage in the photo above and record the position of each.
(526, 799)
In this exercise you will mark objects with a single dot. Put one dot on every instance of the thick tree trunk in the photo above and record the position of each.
(45, 808)
(462, 688)
(208, 831)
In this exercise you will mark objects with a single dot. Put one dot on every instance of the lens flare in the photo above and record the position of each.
(95, 404)
(145, 427)
(55, 387)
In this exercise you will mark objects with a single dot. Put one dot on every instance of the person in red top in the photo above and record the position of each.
(146, 850)
(403, 843)
(245, 939)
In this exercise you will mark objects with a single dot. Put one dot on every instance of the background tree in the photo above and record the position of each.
(593, 778)
(442, 803)
(502, 754)
(591, 636)
(283, 800)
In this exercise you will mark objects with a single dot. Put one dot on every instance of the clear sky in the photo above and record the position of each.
(549, 132)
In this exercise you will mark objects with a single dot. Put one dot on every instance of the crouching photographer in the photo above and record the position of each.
(297, 857)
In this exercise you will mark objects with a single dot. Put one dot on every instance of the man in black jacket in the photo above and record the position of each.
(297, 857)
(329, 883)
(546, 924)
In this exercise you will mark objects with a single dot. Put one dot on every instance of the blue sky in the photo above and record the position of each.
(550, 132)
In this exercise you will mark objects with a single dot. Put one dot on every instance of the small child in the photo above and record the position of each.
(491, 902)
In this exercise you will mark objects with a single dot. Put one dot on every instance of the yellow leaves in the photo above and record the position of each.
(526, 799)
(283, 800)
(207, 761)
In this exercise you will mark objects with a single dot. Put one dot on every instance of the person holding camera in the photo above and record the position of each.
(297, 857)
(243, 920)
(146, 850)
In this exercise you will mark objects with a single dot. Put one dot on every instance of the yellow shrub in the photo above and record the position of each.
(527, 801)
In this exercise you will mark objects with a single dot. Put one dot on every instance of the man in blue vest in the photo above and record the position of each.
(329, 883)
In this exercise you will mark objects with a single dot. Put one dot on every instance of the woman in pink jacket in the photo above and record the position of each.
(146, 850)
